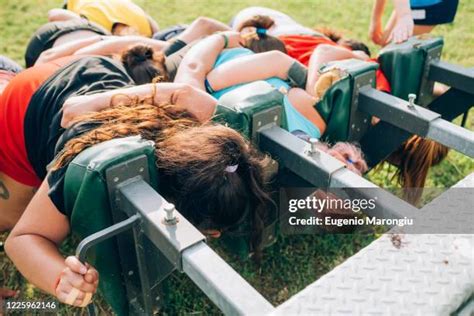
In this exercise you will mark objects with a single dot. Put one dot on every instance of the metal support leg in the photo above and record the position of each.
(225, 287)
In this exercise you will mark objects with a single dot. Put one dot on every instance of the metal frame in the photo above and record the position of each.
(138, 207)
(181, 243)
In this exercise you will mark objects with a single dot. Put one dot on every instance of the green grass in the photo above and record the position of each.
(294, 261)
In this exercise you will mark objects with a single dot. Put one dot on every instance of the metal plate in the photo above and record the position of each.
(359, 121)
(426, 274)
(265, 119)
(425, 94)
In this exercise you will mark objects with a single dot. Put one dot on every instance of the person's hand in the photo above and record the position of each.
(74, 107)
(77, 283)
(376, 32)
(403, 29)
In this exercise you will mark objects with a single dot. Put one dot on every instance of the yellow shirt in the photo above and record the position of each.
(109, 12)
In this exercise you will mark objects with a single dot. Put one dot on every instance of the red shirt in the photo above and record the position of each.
(300, 47)
(13, 104)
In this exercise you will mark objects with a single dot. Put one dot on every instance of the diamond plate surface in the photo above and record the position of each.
(398, 274)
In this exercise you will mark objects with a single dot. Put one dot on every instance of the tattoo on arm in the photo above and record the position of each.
(4, 194)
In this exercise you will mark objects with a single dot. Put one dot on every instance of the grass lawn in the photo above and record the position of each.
(295, 261)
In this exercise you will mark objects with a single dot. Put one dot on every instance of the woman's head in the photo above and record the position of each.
(144, 64)
(347, 153)
(346, 42)
(210, 172)
(214, 176)
(257, 39)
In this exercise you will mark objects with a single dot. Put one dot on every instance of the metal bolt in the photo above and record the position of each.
(141, 169)
(259, 123)
(411, 100)
(314, 146)
(170, 217)
(116, 179)
(275, 118)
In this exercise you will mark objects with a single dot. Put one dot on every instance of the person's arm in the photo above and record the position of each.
(195, 101)
(323, 54)
(200, 59)
(33, 247)
(375, 27)
(250, 68)
(117, 44)
(66, 49)
(55, 15)
(200, 27)
(403, 28)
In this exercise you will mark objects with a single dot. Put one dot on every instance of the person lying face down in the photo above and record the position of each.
(314, 49)
(310, 47)
(60, 39)
(33, 100)
(206, 167)
(218, 65)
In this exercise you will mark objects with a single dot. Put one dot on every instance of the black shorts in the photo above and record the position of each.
(440, 13)
(46, 35)
(170, 32)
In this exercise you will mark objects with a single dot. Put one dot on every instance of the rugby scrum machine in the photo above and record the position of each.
(135, 238)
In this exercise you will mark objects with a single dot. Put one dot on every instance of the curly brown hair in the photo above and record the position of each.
(191, 160)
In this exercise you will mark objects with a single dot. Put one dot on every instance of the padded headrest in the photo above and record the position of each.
(403, 64)
(237, 107)
(86, 195)
(336, 104)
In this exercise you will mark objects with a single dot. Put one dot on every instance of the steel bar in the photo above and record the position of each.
(416, 119)
(452, 75)
(222, 284)
(293, 153)
(384, 138)
(315, 169)
(138, 197)
(102, 235)
(458, 138)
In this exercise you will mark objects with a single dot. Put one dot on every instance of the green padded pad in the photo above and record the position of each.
(336, 103)
(237, 107)
(403, 64)
(86, 194)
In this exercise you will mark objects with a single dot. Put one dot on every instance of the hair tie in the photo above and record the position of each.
(261, 31)
(231, 169)
(349, 160)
